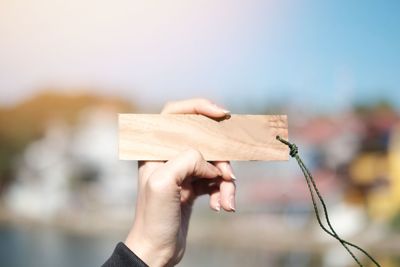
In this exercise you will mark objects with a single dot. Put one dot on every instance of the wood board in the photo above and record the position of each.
(241, 137)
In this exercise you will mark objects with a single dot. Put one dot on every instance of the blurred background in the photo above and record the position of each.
(68, 67)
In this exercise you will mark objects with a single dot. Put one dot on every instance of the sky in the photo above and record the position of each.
(323, 55)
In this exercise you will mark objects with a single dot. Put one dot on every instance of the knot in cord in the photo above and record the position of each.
(294, 150)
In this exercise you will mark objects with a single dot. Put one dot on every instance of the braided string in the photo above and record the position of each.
(294, 153)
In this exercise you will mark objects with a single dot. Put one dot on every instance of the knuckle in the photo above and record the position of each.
(157, 184)
(202, 100)
(152, 185)
(193, 154)
(191, 158)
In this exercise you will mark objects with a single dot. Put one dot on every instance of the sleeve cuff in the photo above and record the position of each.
(124, 257)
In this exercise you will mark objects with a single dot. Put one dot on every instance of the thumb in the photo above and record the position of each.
(190, 164)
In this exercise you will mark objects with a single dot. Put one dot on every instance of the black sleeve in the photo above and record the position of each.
(124, 257)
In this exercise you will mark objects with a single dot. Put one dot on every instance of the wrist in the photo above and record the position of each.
(150, 254)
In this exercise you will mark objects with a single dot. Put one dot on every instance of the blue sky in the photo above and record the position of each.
(329, 55)
(324, 55)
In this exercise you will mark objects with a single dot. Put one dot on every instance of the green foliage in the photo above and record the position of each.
(395, 222)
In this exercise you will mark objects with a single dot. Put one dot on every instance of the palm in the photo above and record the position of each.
(184, 210)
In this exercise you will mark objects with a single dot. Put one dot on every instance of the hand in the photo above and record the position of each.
(167, 190)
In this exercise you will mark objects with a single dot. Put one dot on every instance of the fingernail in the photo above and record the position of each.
(227, 112)
(229, 167)
(217, 207)
(232, 204)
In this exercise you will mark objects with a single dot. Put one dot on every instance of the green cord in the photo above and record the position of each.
(294, 153)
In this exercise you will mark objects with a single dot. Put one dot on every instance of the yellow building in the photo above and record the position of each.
(383, 199)
(394, 168)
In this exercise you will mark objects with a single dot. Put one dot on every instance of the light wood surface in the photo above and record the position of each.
(241, 137)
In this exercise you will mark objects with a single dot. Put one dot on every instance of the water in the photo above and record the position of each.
(22, 246)
(45, 247)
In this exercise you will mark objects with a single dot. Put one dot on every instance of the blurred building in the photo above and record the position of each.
(373, 175)
(67, 173)
(71, 173)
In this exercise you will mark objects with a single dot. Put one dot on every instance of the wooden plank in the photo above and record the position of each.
(241, 137)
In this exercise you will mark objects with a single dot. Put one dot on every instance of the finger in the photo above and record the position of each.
(227, 198)
(210, 187)
(196, 106)
(193, 189)
(205, 186)
(226, 169)
(188, 164)
(215, 200)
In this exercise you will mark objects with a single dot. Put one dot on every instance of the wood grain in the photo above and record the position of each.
(241, 137)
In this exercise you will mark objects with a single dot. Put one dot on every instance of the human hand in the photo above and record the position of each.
(167, 190)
